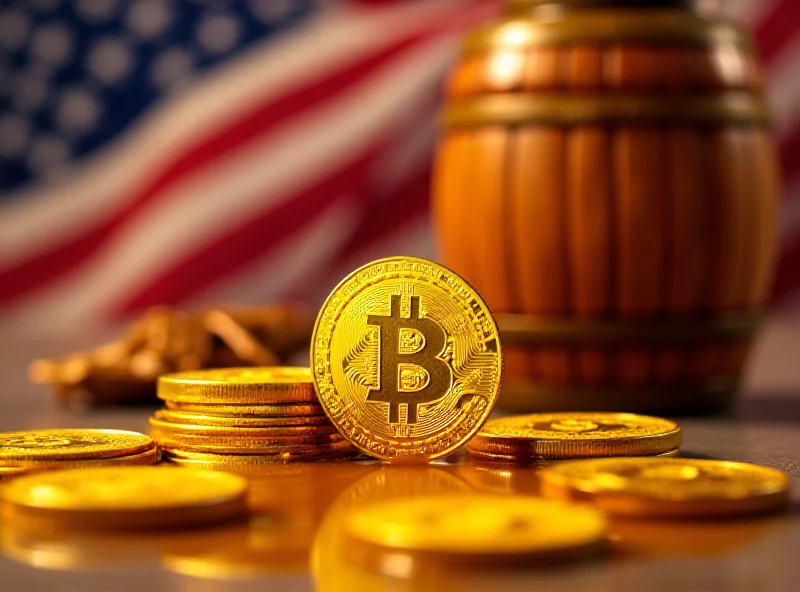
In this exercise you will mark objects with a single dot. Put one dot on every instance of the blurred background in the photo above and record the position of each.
(183, 152)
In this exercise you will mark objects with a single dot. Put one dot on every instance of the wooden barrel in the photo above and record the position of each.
(607, 180)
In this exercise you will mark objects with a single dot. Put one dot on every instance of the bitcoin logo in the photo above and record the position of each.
(401, 382)
(406, 359)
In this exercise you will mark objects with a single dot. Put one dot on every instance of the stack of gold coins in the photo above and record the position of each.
(124, 497)
(31, 451)
(239, 417)
(555, 436)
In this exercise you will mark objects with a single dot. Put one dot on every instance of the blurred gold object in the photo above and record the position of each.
(542, 436)
(478, 530)
(70, 445)
(166, 340)
(199, 419)
(242, 462)
(668, 487)
(220, 434)
(243, 411)
(126, 497)
(273, 385)
(271, 412)
(406, 359)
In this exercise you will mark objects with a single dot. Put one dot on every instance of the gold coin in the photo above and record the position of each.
(219, 432)
(128, 496)
(477, 529)
(198, 419)
(576, 435)
(298, 444)
(523, 461)
(270, 385)
(219, 410)
(148, 457)
(665, 487)
(57, 445)
(407, 359)
(247, 462)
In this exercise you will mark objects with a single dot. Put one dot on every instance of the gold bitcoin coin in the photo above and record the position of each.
(665, 487)
(517, 460)
(197, 419)
(57, 445)
(407, 359)
(219, 410)
(271, 385)
(128, 496)
(470, 530)
(576, 435)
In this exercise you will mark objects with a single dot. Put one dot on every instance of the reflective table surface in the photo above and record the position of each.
(292, 542)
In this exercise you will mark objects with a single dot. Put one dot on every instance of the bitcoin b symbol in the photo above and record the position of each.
(411, 373)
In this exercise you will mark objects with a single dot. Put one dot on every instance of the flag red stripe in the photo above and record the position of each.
(387, 217)
(787, 278)
(259, 234)
(778, 28)
(789, 156)
(34, 271)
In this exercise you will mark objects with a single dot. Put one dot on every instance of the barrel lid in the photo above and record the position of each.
(517, 7)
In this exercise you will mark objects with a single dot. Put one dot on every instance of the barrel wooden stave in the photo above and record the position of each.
(612, 220)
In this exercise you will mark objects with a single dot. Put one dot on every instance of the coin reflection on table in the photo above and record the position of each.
(329, 564)
(495, 477)
(288, 503)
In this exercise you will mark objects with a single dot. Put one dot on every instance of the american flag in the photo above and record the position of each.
(191, 151)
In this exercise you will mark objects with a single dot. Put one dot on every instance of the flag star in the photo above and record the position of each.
(52, 44)
(30, 91)
(14, 29)
(218, 33)
(78, 110)
(96, 11)
(172, 67)
(47, 152)
(110, 60)
(149, 18)
(14, 134)
(271, 11)
(45, 5)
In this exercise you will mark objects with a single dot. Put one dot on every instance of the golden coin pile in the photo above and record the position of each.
(26, 452)
(235, 417)
(555, 436)
(125, 497)
(406, 364)
(166, 340)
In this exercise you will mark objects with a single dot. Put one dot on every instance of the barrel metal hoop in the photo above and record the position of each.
(548, 331)
(604, 27)
(550, 109)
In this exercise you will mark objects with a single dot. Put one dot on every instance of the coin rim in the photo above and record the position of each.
(555, 485)
(491, 399)
(555, 448)
(50, 454)
(170, 387)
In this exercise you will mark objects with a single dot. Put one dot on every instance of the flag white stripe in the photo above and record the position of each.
(45, 216)
(258, 281)
(211, 202)
(292, 263)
